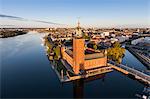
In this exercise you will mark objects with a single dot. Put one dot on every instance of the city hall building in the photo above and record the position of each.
(83, 60)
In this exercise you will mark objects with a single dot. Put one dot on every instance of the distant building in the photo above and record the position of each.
(106, 33)
(113, 40)
(122, 38)
(141, 40)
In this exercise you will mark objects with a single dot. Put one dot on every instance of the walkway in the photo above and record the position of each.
(128, 70)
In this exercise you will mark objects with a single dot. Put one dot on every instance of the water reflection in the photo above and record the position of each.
(78, 85)
(78, 88)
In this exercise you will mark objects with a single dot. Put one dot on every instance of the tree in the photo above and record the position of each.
(48, 51)
(86, 36)
(95, 46)
(116, 53)
(116, 44)
(50, 47)
(57, 52)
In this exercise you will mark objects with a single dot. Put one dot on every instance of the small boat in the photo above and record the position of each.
(145, 94)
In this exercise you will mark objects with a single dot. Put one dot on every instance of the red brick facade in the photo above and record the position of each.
(78, 54)
(78, 60)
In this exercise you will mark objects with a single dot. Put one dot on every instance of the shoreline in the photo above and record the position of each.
(144, 62)
(8, 34)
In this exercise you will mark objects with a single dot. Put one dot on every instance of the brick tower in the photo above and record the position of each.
(78, 54)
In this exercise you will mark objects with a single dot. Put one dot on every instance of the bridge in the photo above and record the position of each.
(128, 70)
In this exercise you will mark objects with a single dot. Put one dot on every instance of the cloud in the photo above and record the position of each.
(11, 17)
(7, 25)
(23, 19)
(45, 22)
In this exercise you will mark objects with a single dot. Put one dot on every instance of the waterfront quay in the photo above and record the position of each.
(141, 76)
(65, 75)
(139, 54)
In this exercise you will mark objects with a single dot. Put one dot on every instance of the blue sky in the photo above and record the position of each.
(92, 13)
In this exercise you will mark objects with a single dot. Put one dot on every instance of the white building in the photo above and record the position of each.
(122, 38)
(142, 40)
(113, 40)
(106, 33)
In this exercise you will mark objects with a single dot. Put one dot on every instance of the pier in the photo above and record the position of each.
(141, 76)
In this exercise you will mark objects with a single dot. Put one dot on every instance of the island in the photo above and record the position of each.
(5, 33)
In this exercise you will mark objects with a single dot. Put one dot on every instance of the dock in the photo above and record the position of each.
(141, 76)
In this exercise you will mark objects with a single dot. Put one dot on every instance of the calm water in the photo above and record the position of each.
(27, 73)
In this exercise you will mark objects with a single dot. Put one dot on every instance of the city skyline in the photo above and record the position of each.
(92, 13)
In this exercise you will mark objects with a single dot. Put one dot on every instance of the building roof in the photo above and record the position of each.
(89, 54)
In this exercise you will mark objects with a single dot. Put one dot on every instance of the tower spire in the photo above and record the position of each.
(78, 22)
(78, 30)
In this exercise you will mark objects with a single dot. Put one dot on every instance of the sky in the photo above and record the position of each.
(92, 13)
